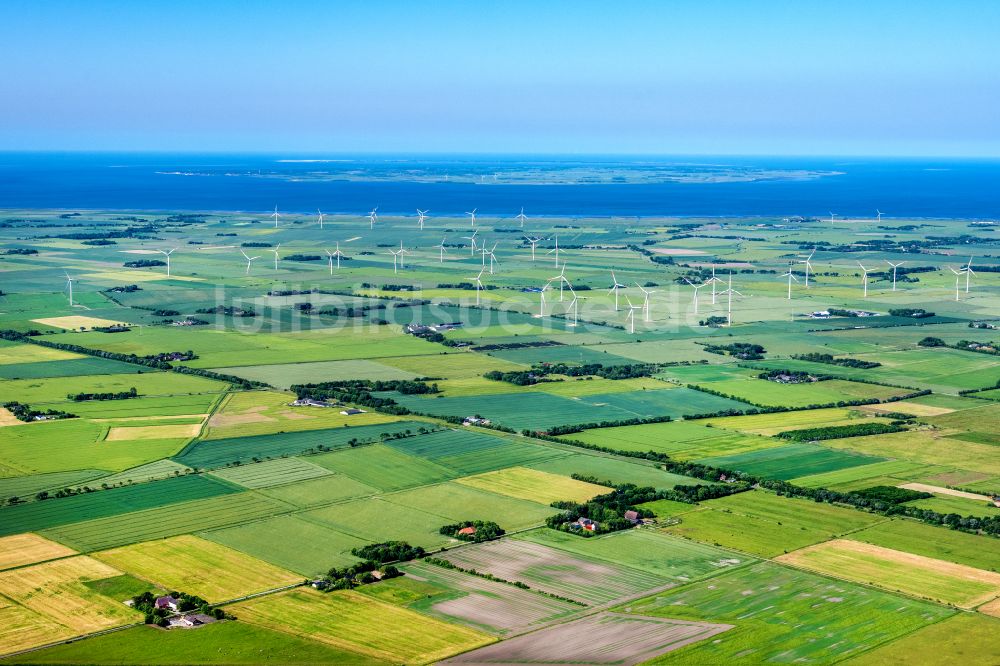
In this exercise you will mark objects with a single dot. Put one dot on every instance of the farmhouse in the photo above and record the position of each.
(167, 602)
(190, 621)
(309, 402)
(584, 524)
(475, 420)
(467, 531)
(351, 411)
(633, 517)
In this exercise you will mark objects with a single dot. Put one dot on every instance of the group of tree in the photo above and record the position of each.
(144, 263)
(746, 351)
(790, 376)
(186, 603)
(359, 392)
(228, 310)
(540, 372)
(481, 530)
(830, 359)
(914, 313)
(892, 494)
(25, 413)
(839, 432)
(120, 395)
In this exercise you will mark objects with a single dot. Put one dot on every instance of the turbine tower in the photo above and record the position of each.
(878, 215)
(534, 242)
(372, 217)
(616, 286)
(630, 317)
(646, 293)
(968, 271)
(69, 285)
(696, 287)
(472, 214)
(321, 217)
(249, 260)
(421, 216)
(958, 277)
(442, 249)
(479, 283)
(493, 257)
(167, 253)
(791, 276)
(556, 250)
(330, 256)
(472, 242)
(832, 215)
(402, 252)
(561, 279)
(573, 306)
(894, 267)
(864, 278)
(712, 281)
(808, 263)
(275, 215)
(729, 308)
(276, 258)
(521, 217)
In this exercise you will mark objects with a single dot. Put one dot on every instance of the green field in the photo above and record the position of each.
(271, 473)
(946, 642)
(454, 502)
(68, 368)
(383, 467)
(318, 491)
(932, 541)
(471, 452)
(378, 520)
(790, 461)
(615, 470)
(684, 440)
(785, 615)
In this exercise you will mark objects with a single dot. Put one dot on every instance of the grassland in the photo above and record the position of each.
(533, 485)
(781, 614)
(220, 643)
(284, 375)
(211, 571)
(356, 622)
(790, 461)
(932, 541)
(765, 524)
(865, 476)
(916, 575)
(272, 473)
(20, 549)
(772, 424)
(930, 447)
(323, 490)
(614, 470)
(383, 467)
(684, 440)
(454, 502)
(471, 452)
(945, 642)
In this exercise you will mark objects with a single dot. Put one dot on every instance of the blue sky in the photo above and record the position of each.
(669, 77)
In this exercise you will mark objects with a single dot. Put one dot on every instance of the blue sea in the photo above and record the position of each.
(912, 188)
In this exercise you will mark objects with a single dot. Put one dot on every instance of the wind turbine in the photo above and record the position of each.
(630, 317)
(373, 217)
(493, 257)
(968, 271)
(479, 283)
(249, 260)
(402, 252)
(696, 287)
(958, 276)
(712, 281)
(864, 278)
(729, 310)
(808, 262)
(442, 249)
(615, 287)
(894, 267)
(878, 215)
(276, 258)
(832, 215)
(573, 305)
(167, 253)
(472, 214)
(791, 276)
(556, 250)
(561, 278)
(521, 217)
(395, 260)
(534, 242)
(646, 293)
(321, 216)
(331, 255)
(69, 285)
(421, 216)
(275, 215)
(472, 242)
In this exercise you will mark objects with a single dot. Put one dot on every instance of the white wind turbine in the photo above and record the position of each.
(968, 271)
(646, 293)
(808, 264)
(275, 215)
(472, 242)
(832, 215)
(479, 283)
(712, 281)
(249, 260)
(878, 215)
(791, 276)
(894, 267)
(630, 317)
(573, 307)
(276, 257)
(729, 308)
(696, 287)
(541, 300)
(421, 216)
(167, 253)
(321, 217)
(402, 253)
(556, 250)
(330, 256)
(373, 217)
(864, 278)
(521, 217)
(472, 214)
(440, 246)
(492, 256)
(534, 242)
(69, 286)
(958, 277)
(561, 279)
(616, 286)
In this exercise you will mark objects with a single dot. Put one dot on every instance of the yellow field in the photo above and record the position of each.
(261, 412)
(991, 608)
(357, 622)
(56, 591)
(197, 566)
(18, 550)
(533, 485)
(138, 275)
(772, 424)
(907, 408)
(957, 584)
(135, 433)
(924, 446)
(21, 628)
(75, 322)
(28, 353)
(8, 419)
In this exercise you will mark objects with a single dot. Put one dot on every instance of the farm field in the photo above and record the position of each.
(944, 642)
(454, 501)
(20, 549)
(916, 575)
(529, 484)
(773, 394)
(356, 622)
(211, 571)
(284, 375)
(383, 467)
(783, 614)
(376, 519)
(323, 490)
(931, 541)
(272, 473)
(472, 452)
(790, 461)
(615, 470)
(684, 440)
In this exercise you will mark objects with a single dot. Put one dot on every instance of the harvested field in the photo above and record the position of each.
(21, 628)
(555, 571)
(21, 549)
(483, 604)
(8, 419)
(932, 541)
(603, 638)
(75, 322)
(56, 591)
(907, 407)
(917, 575)
(533, 485)
(138, 433)
(939, 490)
(357, 622)
(200, 567)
